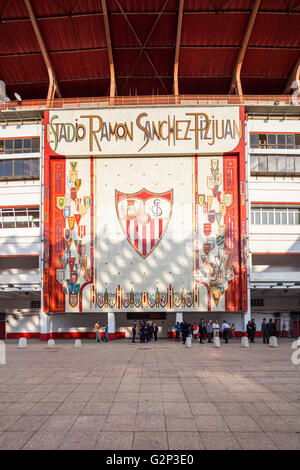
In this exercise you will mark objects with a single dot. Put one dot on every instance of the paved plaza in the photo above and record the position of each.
(120, 395)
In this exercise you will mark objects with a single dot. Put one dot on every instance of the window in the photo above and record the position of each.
(17, 217)
(272, 165)
(24, 145)
(268, 215)
(257, 302)
(262, 140)
(35, 304)
(5, 168)
(253, 140)
(20, 168)
(275, 141)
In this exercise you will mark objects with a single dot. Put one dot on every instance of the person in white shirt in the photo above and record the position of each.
(225, 331)
(216, 328)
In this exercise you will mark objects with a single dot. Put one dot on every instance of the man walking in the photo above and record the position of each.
(97, 329)
(225, 331)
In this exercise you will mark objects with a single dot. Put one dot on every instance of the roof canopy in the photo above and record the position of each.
(143, 35)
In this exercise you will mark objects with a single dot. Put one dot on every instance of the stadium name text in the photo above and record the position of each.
(197, 127)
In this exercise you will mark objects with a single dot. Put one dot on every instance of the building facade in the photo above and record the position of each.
(158, 213)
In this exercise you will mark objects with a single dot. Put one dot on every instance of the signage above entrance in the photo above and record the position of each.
(145, 131)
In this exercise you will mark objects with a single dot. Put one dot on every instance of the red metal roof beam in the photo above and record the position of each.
(236, 78)
(177, 49)
(53, 83)
(293, 82)
(112, 92)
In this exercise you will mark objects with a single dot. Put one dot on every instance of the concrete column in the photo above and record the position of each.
(44, 326)
(179, 317)
(247, 315)
(111, 320)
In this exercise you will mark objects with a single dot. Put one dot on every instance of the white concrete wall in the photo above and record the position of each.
(279, 189)
(24, 324)
(21, 241)
(85, 322)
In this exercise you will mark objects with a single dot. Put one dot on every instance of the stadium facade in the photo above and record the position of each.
(156, 212)
(159, 179)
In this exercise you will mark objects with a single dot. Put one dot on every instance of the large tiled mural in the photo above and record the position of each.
(144, 233)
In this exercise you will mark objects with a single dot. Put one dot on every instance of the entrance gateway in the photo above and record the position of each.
(145, 215)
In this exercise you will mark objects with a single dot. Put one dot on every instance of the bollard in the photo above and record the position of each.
(245, 342)
(188, 342)
(2, 353)
(51, 343)
(77, 343)
(273, 342)
(217, 342)
(22, 343)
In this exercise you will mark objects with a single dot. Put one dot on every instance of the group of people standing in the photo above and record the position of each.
(203, 330)
(146, 331)
(267, 329)
(98, 332)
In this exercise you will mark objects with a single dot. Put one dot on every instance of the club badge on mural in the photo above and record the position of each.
(144, 217)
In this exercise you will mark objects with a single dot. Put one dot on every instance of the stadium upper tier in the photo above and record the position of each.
(125, 48)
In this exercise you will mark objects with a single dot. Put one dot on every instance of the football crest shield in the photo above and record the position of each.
(201, 199)
(163, 299)
(71, 221)
(81, 231)
(144, 217)
(60, 275)
(228, 199)
(100, 299)
(207, 229)
(60, 202)
(73, 300)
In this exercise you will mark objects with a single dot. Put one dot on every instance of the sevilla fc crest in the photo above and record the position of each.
(144, 217)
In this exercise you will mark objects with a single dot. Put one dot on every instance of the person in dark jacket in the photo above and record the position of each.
(148, 332)
(202, 331)
(133, 331)
(264, 331)
(155, 331)
(151, 331)
(225, 331)
(184, 331)
(142, 332)
(252, 330)
(271, 328)
(249, 330)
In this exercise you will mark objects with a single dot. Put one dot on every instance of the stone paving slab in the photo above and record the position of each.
(156, 396)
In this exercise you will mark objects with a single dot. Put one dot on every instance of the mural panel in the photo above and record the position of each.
(155, 233)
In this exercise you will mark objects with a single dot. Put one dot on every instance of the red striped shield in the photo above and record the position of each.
(144, 217)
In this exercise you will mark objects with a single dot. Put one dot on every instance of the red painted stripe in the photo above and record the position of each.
(128, 228)
(144, 232)
(160, 227)
(270, 203)
(136, 234)
(152, 232)
(18, 206)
